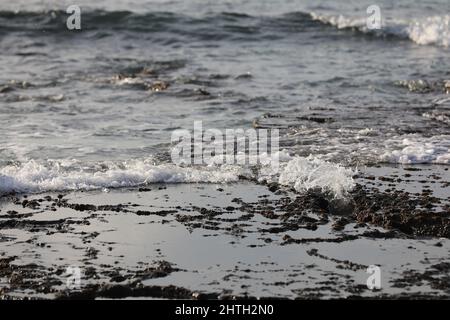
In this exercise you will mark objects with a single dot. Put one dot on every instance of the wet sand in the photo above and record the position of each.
(230, 241)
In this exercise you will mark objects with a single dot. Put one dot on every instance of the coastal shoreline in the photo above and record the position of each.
(238, 240)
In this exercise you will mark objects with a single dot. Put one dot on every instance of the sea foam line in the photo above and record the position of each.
(297, 172)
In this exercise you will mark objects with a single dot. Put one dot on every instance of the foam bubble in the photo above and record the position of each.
(432, 30)
(305, 173)
(312, 173)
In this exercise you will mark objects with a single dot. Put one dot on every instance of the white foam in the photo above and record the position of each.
(297, 172)
(425, 31)
(312, 173)
(55, 176)
(432, 30)
(308, 173)
(413, 150)
(339, 21)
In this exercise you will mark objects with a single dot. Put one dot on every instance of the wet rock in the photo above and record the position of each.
(317, 119)
(399, 210)
(340, 224)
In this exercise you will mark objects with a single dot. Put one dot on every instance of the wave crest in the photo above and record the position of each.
(427, 31)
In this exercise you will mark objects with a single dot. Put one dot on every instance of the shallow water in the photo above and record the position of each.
(234, 250)
(86, 119)
(334, 89)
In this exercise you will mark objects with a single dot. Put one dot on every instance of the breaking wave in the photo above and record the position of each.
(216, 26)
(296, 172)
(427, 31)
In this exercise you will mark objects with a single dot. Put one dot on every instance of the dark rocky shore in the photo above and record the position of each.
(404, 213)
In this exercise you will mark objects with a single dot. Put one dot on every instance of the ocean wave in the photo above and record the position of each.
(55, 20)
(215, 26)
(169, 27)
(426, 31)
(70, 175)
